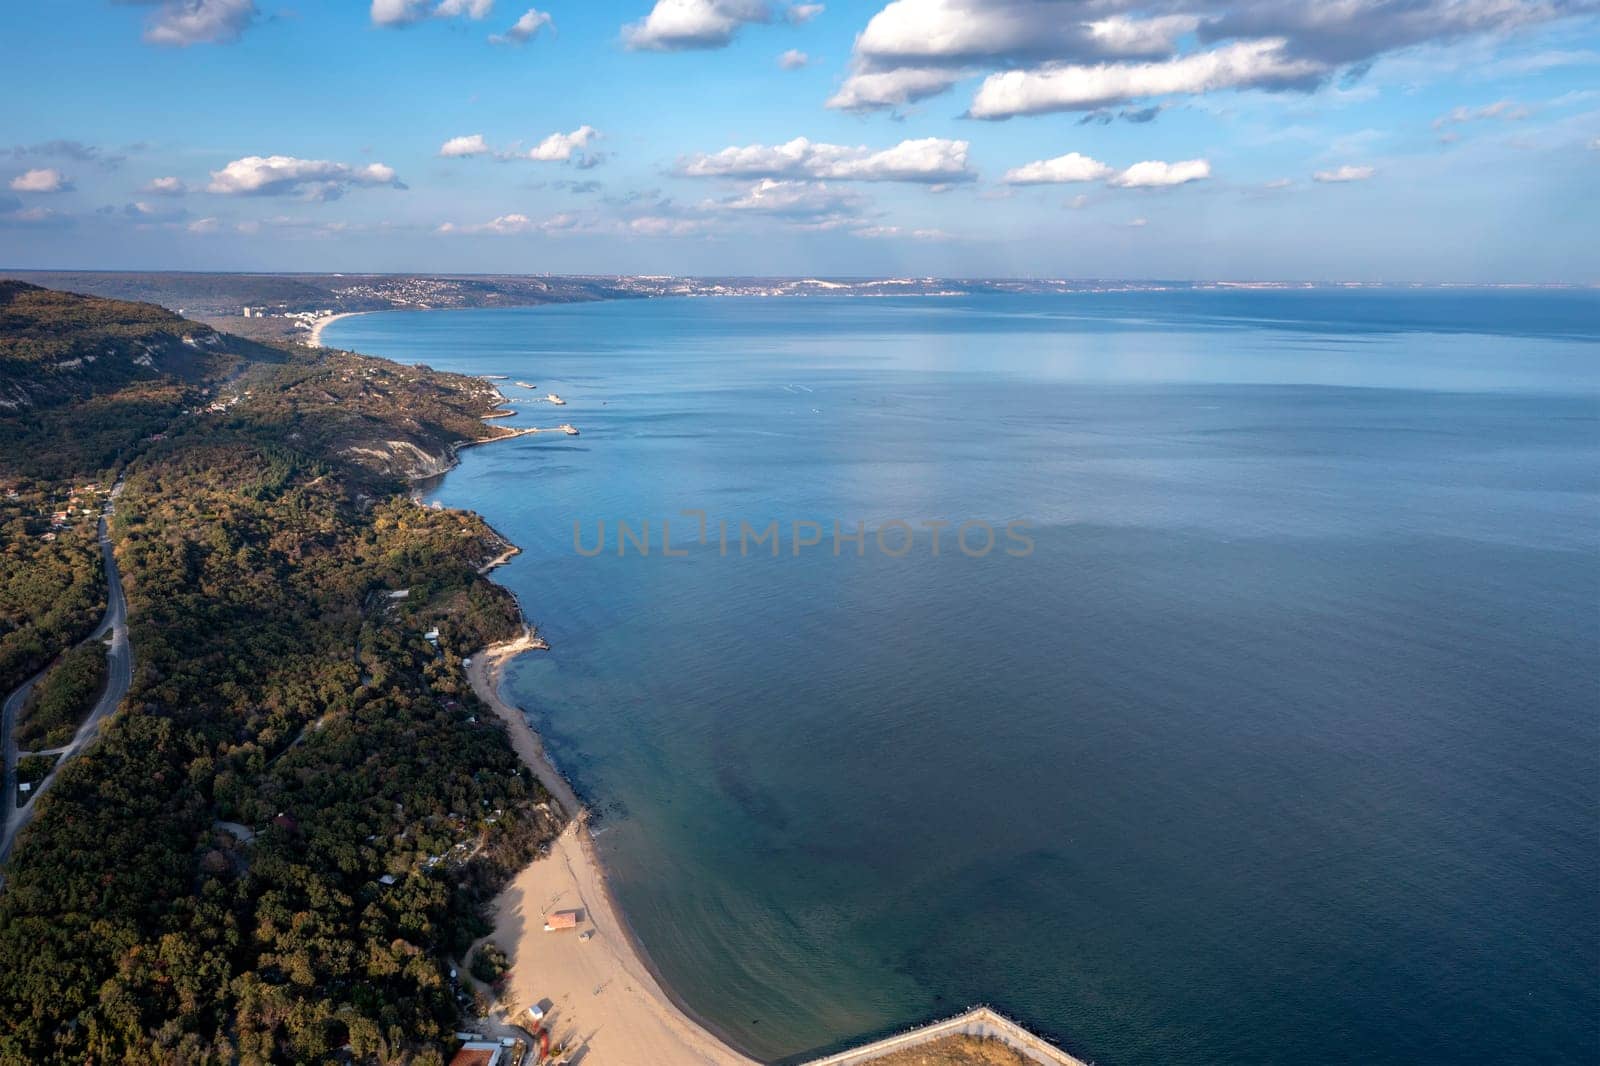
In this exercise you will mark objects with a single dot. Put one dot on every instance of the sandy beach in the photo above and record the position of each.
(317, 327)
(599, 994)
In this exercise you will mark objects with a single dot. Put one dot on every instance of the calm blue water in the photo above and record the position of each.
(1281, 746)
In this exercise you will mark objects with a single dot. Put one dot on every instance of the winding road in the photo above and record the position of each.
(119, 676)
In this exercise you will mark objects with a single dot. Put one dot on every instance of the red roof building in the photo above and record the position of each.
(477, 1054)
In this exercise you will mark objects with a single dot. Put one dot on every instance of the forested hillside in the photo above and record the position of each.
(288, 829)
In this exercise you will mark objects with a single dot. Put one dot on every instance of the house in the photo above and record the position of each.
(561, 920)
(478, 1053)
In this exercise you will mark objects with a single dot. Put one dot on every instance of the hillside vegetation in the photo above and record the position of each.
(61, 700)
(288, 830)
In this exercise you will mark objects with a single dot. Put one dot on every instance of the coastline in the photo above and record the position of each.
(315, 340)
(598, 988)
(603, 994)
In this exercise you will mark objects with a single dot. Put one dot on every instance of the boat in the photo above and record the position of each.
(558, 401)
(568, 428)
(527, 385)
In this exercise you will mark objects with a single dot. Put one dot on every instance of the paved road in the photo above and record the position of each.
(119, 675)
(8, 744)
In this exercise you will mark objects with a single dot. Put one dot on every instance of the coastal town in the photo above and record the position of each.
(294, 307)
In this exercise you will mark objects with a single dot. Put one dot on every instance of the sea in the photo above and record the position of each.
(1195, 676)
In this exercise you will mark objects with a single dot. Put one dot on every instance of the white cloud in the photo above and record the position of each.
(930, 160)
(505, 225)
(472, 9)
(898, 233)
(1120, 35)
(1505, 110)
(556, 148)
(869, 90)
(1038, 38)
(919, 31)
(42, 179)
(1154, 174)
(398, 12)
(1278, 183)
(1137, 223)
(282, 175)
(525, 28)
(165, 187)
(803, 200)
(677, 25)
(793, 59)
(657, 226)
(1594, 145)
(203, 225)
(1344, 173)
(180, 23)
(914, 49)
(1246, 64)
(1063, 168)
(561, 147)
(460, 147)
(1074, 167)
(802, 13)
(406, 12)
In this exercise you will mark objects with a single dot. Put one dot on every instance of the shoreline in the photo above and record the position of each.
(604, 995)
(629, 1015)
(640, 1021)
(315, 340)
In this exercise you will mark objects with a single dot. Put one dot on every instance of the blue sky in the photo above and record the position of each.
(1398, 140)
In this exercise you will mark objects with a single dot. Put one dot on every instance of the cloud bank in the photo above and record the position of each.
(1041, 56)
(282, 175)
(929, 160)
(1073, 167)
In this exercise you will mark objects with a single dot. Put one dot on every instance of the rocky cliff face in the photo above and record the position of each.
(402, 458)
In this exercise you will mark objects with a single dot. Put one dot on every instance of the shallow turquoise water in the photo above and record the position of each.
(1281, 745)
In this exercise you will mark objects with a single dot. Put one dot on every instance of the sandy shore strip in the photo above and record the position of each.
(600, 995)
(315, 340)
(484, 673)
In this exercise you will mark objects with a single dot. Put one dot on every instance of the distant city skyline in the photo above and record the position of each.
(1376, 140)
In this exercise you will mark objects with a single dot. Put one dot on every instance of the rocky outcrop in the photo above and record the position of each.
(401, 458)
